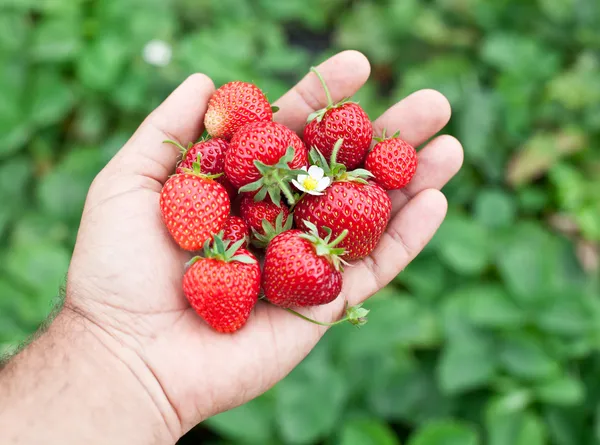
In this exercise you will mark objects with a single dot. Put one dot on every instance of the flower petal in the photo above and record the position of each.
(323, 183)
(313, 192)
(302, 178)
(298, 185)
(315, 172)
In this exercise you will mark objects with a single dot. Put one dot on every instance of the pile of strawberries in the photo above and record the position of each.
(255, 189)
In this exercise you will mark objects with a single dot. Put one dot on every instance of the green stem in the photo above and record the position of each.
(293, 206)
(329, 99)
(284, 188)
(335, 151)
(298, 314)
(176, 144)
(339, 239)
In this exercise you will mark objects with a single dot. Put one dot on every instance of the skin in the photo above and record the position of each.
(128, 345)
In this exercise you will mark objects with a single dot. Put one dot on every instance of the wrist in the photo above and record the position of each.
(76, 383)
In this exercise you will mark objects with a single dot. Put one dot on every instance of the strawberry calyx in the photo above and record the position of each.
(355, 315)
(222, 250)
(318, 115)
(274, 180)
(335, 170)
(324, 246)
(271, 231)
(384, 138)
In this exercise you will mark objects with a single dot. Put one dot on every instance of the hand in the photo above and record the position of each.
(125, 275)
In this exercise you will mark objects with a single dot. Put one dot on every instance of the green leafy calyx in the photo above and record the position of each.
(223, 250)
(271, 231)
(325, 246)
(337, 171)
(275, 179)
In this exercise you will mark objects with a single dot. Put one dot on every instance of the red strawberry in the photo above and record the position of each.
(255, 212)
(350, 203)
(210, 153)
(345, 120)
(194, 208)
(261, 156)
(235, 229)
(301, 269)
(234, 105)
(223, 286)
(393, 162)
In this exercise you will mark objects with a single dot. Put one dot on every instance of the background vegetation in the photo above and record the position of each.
(490, 336)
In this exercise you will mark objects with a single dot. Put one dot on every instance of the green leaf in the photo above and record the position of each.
(525, 357)
(40, 267)
(466, 364)
(424, 276)
(563, 391)
(445, 432)
(51, 98)
(494, 208)
(566, 426)
(463, 245)
(62, 192)
(396, 320)
(310, 401)
(527, 261)
(252, 422)
(515, 429)
(491, 306)
(57, 39)
(367, 432)
(108, 52)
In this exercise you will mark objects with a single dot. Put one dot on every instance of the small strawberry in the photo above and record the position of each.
(263, 157)
(302, 269)
(235, 229)
(255, 213)
(393, 162)
(234, 105)
(345, 120)
(194, 207)
(210, 154)
(349, 203)
(223, 286)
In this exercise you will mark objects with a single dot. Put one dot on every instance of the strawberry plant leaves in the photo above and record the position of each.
(466, 364)
(310, 401)
(253, 422)
(367, 432)
(514, 428)
(445, 432)
(463, 245)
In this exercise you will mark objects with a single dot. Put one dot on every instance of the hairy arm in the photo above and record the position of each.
(69, 386)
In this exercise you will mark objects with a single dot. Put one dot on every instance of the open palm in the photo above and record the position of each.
(125, 276)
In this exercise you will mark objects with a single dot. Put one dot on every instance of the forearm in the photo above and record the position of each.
(69, 387)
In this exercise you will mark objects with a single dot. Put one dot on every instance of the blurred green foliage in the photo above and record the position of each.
(490, 336)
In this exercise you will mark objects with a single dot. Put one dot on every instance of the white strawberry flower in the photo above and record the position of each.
(314, 182)
(157, 53)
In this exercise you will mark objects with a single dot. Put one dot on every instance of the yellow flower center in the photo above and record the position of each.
(310, 183)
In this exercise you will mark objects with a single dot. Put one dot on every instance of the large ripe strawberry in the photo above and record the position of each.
(262, 158)
(234, 105)
(210, 154)
(194, 207)
(302, 269)
(235, 229)
(349, 203)
(256, 213)
(223, 286)
(393, 162)
(343, 120)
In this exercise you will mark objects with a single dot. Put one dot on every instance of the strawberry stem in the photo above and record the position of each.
(284, 188)
(329, 99)
(355, 315)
